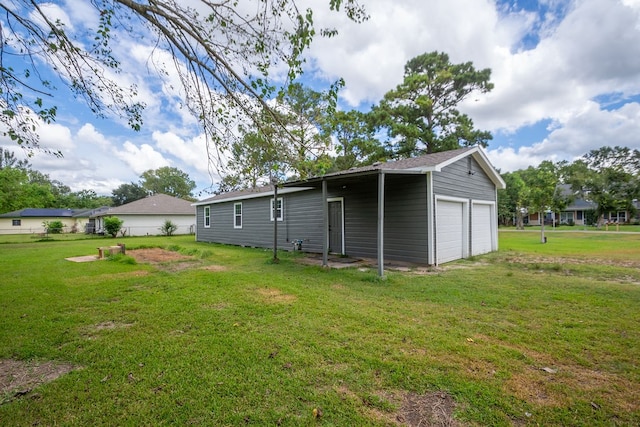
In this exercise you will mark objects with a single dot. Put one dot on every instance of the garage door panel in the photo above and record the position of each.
(481, 229)
(449, 234)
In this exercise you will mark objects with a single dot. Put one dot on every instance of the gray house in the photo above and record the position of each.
(428, 210)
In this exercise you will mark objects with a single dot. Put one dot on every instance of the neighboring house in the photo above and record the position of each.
(576, 213)
(31, 220)
(145, 216)
(429, 210)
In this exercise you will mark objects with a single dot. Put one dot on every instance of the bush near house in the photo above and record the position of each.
(168, 228)
(53, 227)
(112, 225)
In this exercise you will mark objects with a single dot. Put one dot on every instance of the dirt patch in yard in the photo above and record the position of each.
(18, 378)
(431, 409)
(156, 255)
(166, 260)
(414, 410)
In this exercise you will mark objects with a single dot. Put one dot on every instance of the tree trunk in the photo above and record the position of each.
(541, 217)
(519, 220)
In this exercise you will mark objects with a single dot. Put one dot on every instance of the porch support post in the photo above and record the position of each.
(381, 224)
(275, 220)
(431, 218)
(325, 225)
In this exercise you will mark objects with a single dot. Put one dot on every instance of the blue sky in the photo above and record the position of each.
(566, 75)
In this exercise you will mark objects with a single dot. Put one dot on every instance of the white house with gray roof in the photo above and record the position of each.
(144, 217)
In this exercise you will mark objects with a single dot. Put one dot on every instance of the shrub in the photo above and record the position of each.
(53, 227)
(168, 228)
(112, 225)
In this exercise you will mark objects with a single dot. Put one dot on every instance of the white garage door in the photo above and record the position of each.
(449, 231)
(481, 229)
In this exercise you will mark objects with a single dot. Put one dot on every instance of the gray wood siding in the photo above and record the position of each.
(360, 216)
(303, 219)
(406, 216)
(454, 180)
(405, 235)
(302, 211)
(405, 228)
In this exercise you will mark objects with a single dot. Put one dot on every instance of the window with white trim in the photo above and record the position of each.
(279, 210)
(16, 222)
(207, 216)
(237, 215)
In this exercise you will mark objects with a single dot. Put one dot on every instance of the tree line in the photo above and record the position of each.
(21, 187)
(224, 56)
(609, 177)
(306, 136)
(224, 59)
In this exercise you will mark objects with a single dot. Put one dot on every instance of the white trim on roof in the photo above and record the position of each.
(269, 193)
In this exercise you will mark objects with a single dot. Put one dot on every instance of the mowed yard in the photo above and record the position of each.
(184, 333)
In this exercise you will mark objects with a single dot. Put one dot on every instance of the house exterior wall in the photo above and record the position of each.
(408, 197)
(31, 225)
(405, 227)
(302, 220)
(405, 219)
(143, 225)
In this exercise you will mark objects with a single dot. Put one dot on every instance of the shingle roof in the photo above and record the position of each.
(158, 204)
(415, 164)
(421, 162)
(39, 213)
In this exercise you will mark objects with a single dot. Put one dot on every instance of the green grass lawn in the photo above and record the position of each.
(536, 334)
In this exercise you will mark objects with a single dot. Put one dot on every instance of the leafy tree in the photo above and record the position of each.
(168, 228)
(513, 200)
(168, 180)
(8, 160)
(252, 163)
(421, 114)
(17, 191)
(610, 177)
(305, 116)
(356, 144)
(222, 52)
(127, 193)
(112, 225)
(87, 199)
(544, 193)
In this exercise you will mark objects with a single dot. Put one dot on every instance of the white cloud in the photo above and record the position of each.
(192, 152)
(551, 66)
(590, 129)
(141, 158)
(88, 134)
